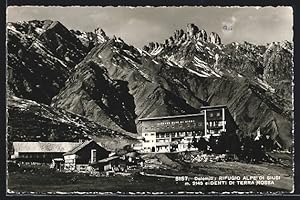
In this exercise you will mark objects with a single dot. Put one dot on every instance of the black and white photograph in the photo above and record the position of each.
(187, 100)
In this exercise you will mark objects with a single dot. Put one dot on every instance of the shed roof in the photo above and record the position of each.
(44, 147)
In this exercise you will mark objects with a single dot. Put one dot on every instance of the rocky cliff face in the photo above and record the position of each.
(115, 84)
(40, 56)
(214, 38)
(91, 93)
(112, 105)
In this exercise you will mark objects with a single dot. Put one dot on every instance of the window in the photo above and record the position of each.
(211, 114)
(218, 114)
(93, 156)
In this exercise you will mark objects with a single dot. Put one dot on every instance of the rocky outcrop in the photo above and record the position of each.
(278, 71)
(178, 34)
(40, 56)
(193, 33)
(46, 48)
(90, 39)
(192, 30)
(214, 38)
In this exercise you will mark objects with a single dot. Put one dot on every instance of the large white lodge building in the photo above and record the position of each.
(176, 133)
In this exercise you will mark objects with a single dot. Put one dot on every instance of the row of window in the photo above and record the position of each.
(211, 114)
(214, 131)
(216, 123)
(162, 148)
(190, 125)
(180, 134)
(164, 140)
(199, 124)
(32, 156)
(149, 134)
(149, 140)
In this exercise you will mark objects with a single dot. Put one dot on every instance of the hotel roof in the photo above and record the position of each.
(172, 117)
(216, 106)
(187, 115)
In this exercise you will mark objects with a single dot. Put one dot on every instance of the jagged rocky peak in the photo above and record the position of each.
(178, 34)
(47, 27)
(192, 30)
(192, 33)
(155, 45)
(32, 28)
(100, 31)
(101, 35)
(214, 38)
(169, 41)
(202, 35)
(90, 39)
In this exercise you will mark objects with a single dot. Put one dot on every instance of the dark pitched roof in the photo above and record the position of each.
(79, 147)
(44, 147)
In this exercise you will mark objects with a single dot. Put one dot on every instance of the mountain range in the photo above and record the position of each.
(111, 84)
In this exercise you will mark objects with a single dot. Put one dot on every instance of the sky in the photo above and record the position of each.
(140, 25)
